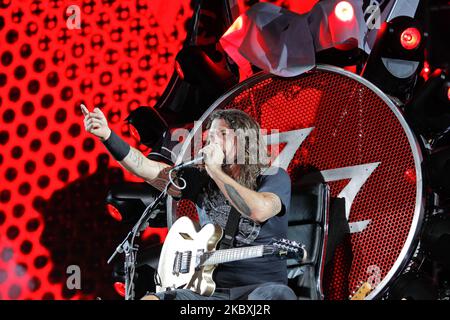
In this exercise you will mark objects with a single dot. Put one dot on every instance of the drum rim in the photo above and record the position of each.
(416, 225)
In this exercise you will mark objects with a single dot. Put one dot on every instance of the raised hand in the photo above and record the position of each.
(214, 156)
(95, 122)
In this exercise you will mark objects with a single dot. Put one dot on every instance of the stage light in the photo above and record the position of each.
(114, 212)
(151, 233)
(147, 126)
(344, 11)
(146, 264)
(119, 287)
(127, 201)
(186, 101)
(410, 38)
(397, 57)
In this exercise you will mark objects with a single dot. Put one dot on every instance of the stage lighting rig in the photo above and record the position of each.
(144, 279)
(126, 202)
(397, 57)
(201, 71)
(147, 126)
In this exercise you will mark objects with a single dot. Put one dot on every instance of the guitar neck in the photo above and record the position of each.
(234, 254)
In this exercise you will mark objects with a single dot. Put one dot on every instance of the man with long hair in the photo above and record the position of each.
(235, 175)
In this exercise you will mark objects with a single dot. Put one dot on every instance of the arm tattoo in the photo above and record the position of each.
(238, 201)
(136, 157)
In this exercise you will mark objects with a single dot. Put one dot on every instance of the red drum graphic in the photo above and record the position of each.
(344, 126)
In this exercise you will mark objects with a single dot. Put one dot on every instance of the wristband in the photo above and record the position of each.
(116, 146)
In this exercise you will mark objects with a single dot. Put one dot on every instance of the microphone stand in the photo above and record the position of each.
(130, 248)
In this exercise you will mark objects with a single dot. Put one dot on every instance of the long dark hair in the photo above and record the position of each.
(242, 123)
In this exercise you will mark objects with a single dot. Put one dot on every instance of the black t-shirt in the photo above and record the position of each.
(213, 207)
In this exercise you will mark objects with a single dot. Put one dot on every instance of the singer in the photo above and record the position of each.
(258, 194)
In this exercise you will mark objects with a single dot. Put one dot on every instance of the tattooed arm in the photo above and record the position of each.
(258, 206)
(153, 172)
(139, 165)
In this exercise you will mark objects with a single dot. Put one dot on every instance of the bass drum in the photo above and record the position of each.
(342, 125)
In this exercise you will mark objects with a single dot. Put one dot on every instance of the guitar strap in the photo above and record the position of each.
(231, 229)
(193, 189)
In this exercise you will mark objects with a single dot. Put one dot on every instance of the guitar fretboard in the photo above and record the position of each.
(234, 254)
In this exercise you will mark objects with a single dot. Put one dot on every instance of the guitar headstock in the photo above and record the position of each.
(288, 249)
(362, 292)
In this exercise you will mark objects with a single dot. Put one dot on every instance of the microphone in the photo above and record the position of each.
(189, 163)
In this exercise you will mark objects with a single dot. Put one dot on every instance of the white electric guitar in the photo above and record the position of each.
(189, 257)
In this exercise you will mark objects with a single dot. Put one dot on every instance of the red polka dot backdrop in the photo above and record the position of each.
(54, 176)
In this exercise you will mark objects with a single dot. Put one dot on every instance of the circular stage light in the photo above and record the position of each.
(410, 38)
(120, 288)
(344, 11)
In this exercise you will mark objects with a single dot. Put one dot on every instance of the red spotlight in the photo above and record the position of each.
(410, 38)
(160, 233)
(344, 11)
(120, 288)
(114, 212)
(448, 93)
(134, 132)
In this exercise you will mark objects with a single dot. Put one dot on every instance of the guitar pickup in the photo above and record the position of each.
(186, 262)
